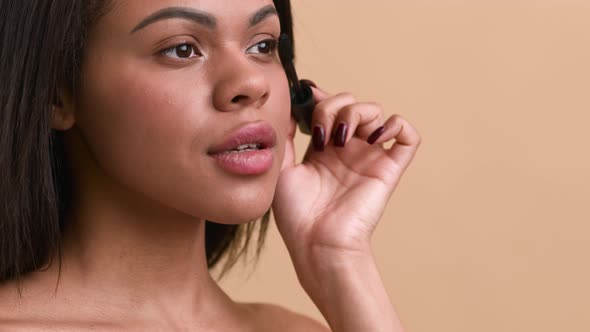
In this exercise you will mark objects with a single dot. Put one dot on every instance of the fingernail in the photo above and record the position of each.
(340, 137)
(318, 138)
(375, 135)
(308, 82)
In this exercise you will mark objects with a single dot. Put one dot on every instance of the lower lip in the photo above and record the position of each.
(245, 163)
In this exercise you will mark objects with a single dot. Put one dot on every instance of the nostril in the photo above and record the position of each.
(238, 98)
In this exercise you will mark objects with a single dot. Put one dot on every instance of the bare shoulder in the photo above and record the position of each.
(12, 309)
(272, 317)
(18, 311)
(9, 301)
(32, 309)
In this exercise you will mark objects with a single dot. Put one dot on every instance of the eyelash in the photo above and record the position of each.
(272, 45)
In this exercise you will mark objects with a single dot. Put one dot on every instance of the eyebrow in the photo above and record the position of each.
(200, 17)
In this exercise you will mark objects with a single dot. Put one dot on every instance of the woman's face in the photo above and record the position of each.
(164, 82)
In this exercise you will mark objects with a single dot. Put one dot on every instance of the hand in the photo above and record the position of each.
(330, 204)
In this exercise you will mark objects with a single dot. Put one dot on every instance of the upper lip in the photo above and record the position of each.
(260, 133)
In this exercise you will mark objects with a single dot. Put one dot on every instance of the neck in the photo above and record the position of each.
(134, 254)
(127, 251)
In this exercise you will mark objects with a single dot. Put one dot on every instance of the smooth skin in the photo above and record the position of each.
(133, 256)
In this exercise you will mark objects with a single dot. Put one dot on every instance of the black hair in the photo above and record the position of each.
(41, 48)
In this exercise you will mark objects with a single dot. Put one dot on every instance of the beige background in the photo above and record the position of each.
(489, 228)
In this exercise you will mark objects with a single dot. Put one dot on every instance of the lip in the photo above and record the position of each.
(251, 133)
(248, 162)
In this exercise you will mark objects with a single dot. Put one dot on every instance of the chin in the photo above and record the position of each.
(236, 216)
(240, 209)
(232, 201)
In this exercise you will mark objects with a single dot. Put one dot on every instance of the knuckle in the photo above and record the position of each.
(376, 105)
(348, 109)
(319, 107)
(375, 111)
(399, 120)
(345, 95)
(320, 111)
(418, 139)
(321, 115)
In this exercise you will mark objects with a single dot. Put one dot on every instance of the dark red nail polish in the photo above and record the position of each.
(318, 138)
(340, 137)
(375, 135)
(308, 82)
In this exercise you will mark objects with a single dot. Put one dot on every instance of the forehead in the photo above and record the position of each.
(126, 14)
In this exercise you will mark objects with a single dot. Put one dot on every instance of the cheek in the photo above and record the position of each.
(133, 117)
(150, 134)
(141, 129)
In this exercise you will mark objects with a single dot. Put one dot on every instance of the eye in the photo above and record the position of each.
(181, 51)
(267, 46)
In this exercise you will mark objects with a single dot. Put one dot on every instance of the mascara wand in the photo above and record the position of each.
(302, 103)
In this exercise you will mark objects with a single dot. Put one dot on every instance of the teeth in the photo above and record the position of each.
(245, 147)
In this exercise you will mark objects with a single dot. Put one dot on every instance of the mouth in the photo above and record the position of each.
(246, 150)
(246, 147)
(250, 137)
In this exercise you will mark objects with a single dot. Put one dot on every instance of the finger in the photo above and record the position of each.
(326, 111)
(359, 119)
(319, 94)
(407, 140)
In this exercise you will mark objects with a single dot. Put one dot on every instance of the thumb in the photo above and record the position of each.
(289, 158)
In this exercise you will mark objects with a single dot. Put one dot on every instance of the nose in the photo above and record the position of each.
(240, 83)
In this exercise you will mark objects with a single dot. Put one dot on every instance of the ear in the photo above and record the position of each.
(62, 112)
